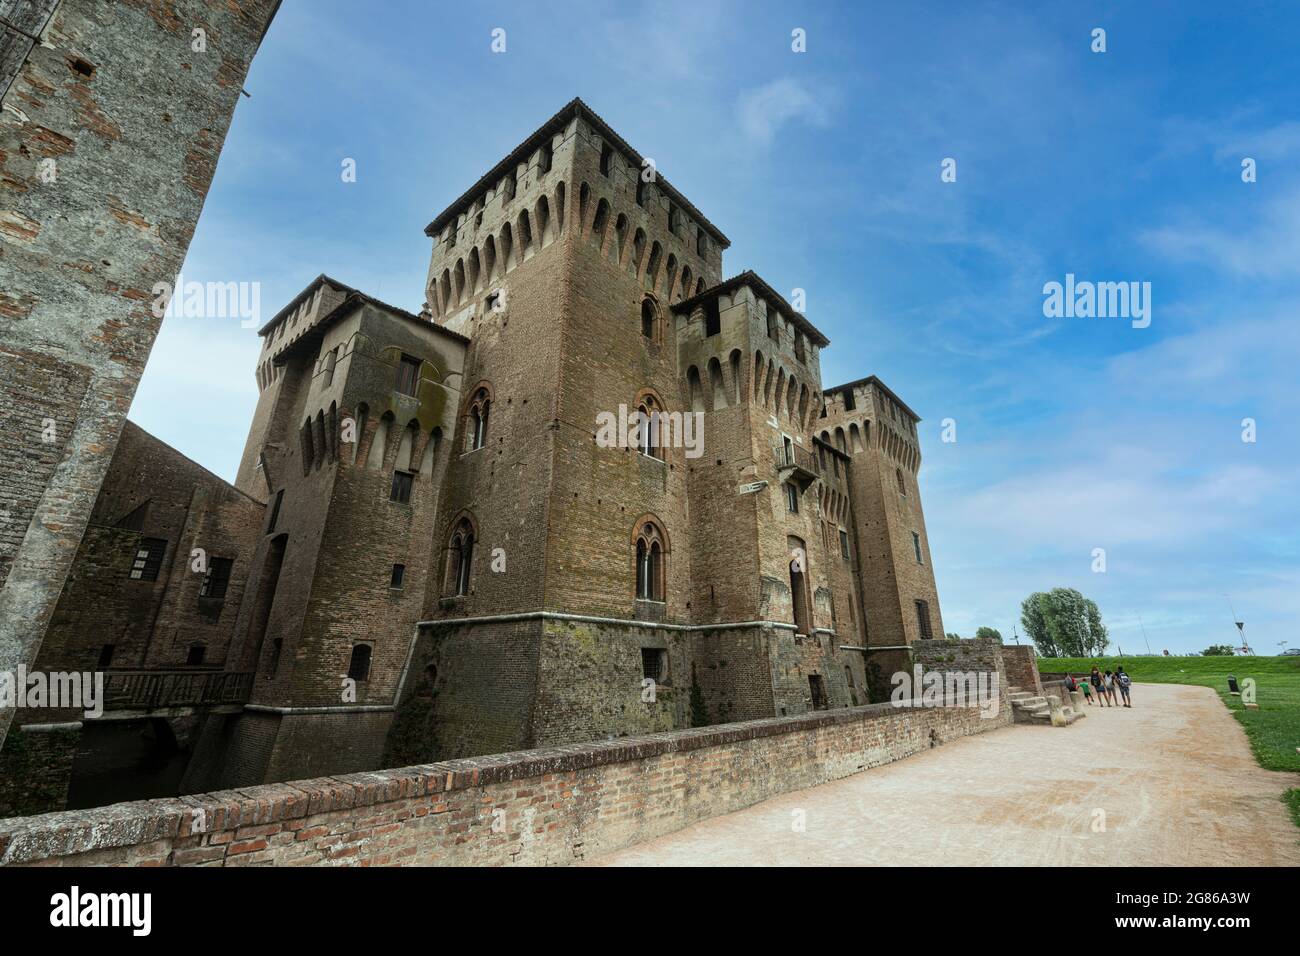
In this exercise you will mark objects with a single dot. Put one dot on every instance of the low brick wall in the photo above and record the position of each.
(1022, 667)
(552, 806)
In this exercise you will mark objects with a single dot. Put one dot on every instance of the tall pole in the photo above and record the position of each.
(1144, 634)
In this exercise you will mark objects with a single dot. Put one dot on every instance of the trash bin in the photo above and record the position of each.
(1232, 685)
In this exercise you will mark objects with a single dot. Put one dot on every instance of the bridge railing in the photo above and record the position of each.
(137, 690)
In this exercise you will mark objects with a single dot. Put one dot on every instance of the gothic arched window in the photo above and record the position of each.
(650, 563)
(479, 408)
(460, 558)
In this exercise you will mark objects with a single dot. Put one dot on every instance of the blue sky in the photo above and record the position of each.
(823, 168)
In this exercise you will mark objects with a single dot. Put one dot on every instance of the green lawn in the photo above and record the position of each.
(1273, 729)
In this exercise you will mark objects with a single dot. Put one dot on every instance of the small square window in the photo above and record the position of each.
(399, 575)
(401, 492)
(196, 655)
(148, 559)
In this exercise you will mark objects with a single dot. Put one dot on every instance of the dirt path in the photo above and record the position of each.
(1174, 776)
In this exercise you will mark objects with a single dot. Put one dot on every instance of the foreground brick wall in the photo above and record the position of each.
(546, 807)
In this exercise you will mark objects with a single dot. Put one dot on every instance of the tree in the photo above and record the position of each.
(1064, 623)
(1219, 650)
(992, 632)
(953, 636)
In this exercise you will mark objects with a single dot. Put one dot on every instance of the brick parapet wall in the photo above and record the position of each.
(1022, 667)
(551, 806)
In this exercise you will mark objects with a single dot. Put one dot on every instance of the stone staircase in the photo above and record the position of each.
(1030, 708)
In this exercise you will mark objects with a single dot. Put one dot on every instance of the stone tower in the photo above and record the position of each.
(349, 444)
(876, 431)
(589, 287)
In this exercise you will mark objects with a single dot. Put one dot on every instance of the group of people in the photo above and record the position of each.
(1103, 686)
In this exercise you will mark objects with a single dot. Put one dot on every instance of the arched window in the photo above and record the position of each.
(648, 438)
(479, 408)
(650, 546)
(460, 558)
(359, 665)
(649, 318)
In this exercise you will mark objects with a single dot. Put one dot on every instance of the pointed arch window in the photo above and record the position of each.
(650, 563)
(649, 440)
(649, 319)
(460, 558)
(479, 410)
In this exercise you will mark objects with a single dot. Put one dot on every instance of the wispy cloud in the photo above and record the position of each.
(762, 112)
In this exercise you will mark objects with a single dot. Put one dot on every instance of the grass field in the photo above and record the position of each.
(1273, 729)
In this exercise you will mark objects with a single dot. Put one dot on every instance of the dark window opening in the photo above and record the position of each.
(844, 544)
(195, 657)
(401, 491)
(648, 318)
(106, 655)
(148, 559)
(923, 618)
(818, 691)
(275, 511)
(544, 160)
(654, 664)
(712, 318)
(408, 375)
(916, 546)
(359, 665)
(606, 158)
(217, 580)
(399, 574)
(850, 403)
(791, 498)
(701, 242)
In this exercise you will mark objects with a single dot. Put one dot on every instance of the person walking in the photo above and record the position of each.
(1110, 687)
(1124, 682)
(1095, 679)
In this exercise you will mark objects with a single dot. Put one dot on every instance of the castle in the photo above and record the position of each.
(427, 553)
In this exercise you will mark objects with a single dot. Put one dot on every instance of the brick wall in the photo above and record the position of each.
(544, 807)
(1022, 667)
(106, 166)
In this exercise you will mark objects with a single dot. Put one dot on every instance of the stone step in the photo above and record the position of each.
(1030, 702)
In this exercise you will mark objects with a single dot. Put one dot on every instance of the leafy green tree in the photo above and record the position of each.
(992, 632)
(1219, 650)
(1064, 623)
(953, 636)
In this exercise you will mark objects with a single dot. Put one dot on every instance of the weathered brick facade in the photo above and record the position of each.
(556, 586)
(109, 136)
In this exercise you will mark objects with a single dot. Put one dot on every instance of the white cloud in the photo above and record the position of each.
(763, 111)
